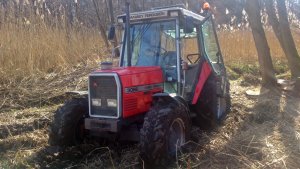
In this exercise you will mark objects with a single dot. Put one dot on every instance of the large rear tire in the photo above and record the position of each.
(211, 108)
(67, 128)
(166, 128)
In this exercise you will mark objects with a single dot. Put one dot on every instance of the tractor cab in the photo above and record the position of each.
(179, 41)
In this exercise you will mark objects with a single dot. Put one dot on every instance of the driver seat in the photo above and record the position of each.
(170, 58)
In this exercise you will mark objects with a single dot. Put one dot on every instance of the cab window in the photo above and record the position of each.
(190, 52)
(210, 42)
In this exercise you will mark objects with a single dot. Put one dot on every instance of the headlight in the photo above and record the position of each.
(111, 102)
(96, 102)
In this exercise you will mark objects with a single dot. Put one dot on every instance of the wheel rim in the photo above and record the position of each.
(221, 107)
(176, 136)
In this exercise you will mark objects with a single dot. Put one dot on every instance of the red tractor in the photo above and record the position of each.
(171, 75)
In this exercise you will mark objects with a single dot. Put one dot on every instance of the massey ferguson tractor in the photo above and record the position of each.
(171, 75)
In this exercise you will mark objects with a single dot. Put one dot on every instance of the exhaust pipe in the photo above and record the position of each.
(128, 33)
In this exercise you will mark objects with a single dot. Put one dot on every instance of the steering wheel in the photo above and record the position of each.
(193, 54)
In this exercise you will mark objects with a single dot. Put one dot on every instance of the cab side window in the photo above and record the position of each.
(210, 42)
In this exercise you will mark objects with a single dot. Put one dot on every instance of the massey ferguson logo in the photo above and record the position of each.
(144, 88)
(148, 15)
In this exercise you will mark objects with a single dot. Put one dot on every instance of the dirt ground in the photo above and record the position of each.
(260, 132)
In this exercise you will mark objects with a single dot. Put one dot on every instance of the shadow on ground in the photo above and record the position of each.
(260, 132)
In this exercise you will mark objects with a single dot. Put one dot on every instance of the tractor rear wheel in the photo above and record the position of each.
(220, 106)
(166, 128)
(211, 108)
(67, 128)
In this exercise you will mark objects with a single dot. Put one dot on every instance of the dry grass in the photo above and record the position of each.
(41, 89)
(22, 133)
(28, 49)
(238, 46)
(33, 56)
(260, 132)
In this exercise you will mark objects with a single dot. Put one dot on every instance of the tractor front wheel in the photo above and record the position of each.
(67, 128)
(166, 128)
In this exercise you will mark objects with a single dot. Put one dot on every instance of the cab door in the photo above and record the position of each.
(213, 55)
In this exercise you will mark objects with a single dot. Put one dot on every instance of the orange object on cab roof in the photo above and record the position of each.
(206, 6)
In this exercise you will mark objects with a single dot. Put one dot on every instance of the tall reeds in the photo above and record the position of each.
(31, 43)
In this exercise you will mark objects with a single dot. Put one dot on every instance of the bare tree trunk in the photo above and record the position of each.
(263, 50)
(134, 6)
(77, 2)
(101, 28)
(112, 22)
(68, 22)
(283, 33)
(186, 3)
(289, 44)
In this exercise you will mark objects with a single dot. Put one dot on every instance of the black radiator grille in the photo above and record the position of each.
(102, 89)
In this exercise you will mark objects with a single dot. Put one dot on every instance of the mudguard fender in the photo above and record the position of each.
(167, 98)
(77, 94)
(163, 97)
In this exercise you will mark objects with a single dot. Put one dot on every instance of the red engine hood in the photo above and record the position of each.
(137, 76)
(121, 71)
(138, 86)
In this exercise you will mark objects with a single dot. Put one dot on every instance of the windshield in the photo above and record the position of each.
(152, 44)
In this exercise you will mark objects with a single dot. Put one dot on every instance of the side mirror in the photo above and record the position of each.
(188, 24)
(111, 32)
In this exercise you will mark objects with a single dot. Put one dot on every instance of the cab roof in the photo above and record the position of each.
(163, 12)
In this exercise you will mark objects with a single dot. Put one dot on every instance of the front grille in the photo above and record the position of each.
(103, 91)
